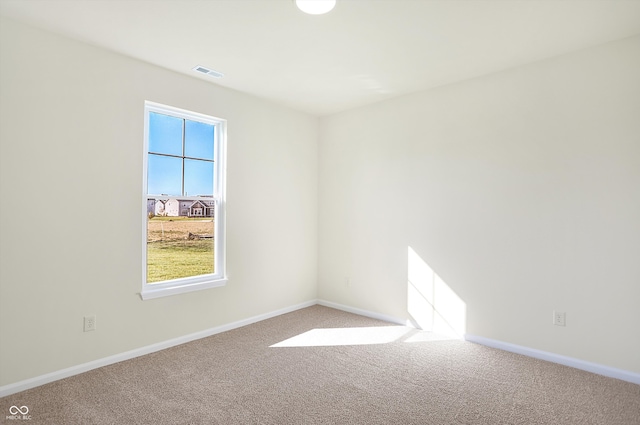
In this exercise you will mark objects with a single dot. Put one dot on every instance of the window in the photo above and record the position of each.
(184, 203)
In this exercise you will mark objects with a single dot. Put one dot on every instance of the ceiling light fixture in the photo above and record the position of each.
(316, 7)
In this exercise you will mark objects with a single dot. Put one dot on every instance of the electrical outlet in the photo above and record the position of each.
(89, 323)
(559, 318)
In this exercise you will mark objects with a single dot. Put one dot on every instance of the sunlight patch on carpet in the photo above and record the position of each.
(369, 335)
(346, 336)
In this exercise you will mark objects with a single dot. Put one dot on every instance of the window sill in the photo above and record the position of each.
(151, 291)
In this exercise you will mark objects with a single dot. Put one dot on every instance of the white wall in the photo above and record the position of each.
(521, 190)
(71, 136)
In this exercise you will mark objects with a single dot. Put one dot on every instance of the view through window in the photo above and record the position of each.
(183, 195)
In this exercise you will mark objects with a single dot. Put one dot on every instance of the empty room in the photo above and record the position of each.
(320, 212)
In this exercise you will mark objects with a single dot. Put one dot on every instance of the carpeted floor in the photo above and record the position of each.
(314, 366)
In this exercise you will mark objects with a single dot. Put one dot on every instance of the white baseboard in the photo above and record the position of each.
(367, 313)
(530, 352)
(599, 369)
(85, 367)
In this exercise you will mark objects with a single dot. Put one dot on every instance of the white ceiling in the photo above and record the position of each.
(361, 52)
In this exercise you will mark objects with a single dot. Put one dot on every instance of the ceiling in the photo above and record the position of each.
(362, 52)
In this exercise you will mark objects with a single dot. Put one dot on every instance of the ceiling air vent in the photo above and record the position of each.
(208, 71)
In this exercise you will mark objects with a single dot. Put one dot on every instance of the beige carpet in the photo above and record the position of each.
(322, 371)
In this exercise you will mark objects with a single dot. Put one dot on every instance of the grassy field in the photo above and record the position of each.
(171, 254)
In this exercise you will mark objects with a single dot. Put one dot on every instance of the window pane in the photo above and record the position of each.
(198, 140)
(164, 175)
(177, 245)
(198, 178)
(165, 134)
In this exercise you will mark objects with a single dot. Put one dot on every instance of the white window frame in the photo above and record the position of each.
(194, 283)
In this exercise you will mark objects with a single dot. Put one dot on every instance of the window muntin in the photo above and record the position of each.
(184, 201)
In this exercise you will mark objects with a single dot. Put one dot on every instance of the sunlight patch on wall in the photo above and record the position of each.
(431, 302)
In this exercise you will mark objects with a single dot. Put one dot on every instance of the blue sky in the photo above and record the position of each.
(164, 173)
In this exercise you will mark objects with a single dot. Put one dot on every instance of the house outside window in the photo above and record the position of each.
(184, 201)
